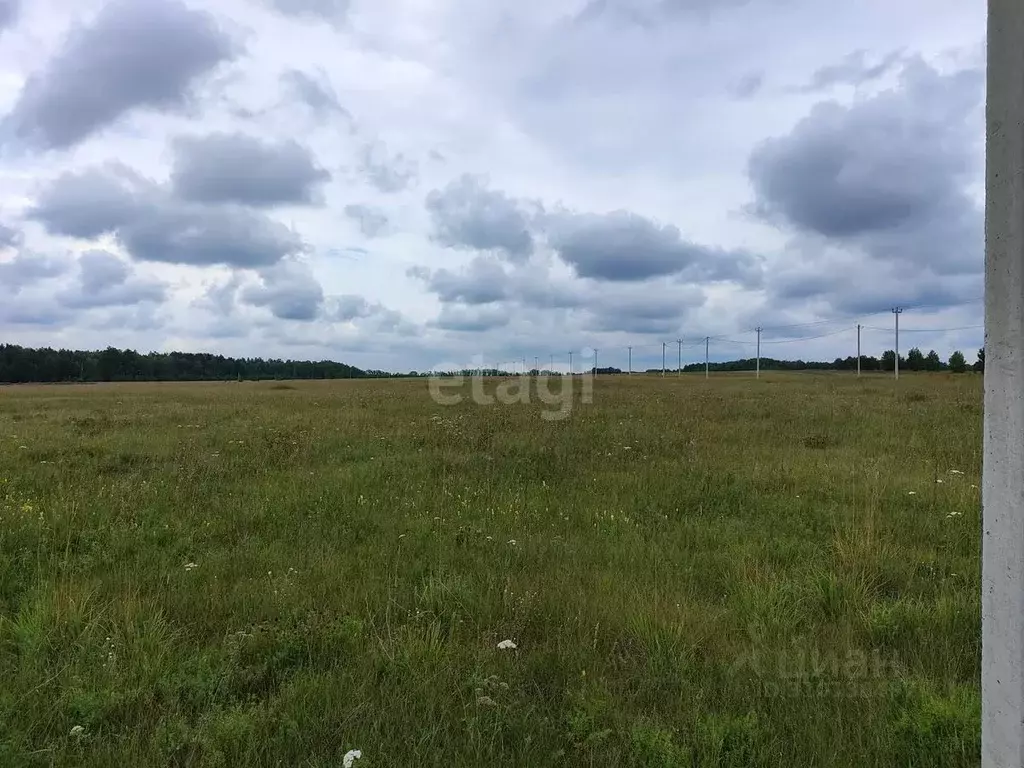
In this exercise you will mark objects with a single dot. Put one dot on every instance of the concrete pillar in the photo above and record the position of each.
(1002, 606)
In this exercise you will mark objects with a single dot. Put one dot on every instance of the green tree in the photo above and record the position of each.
(980, 364)
(957, 362)
(915, 360)
(932, 362)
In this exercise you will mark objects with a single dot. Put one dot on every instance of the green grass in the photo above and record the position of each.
(704, 573)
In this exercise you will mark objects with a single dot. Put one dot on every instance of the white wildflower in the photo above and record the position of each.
(938, 480)
(486, 701)
(350, 757)
(911, 493)
(77, 731)
(190, 566)
(507, 645)
(512, 542)
(955, 472)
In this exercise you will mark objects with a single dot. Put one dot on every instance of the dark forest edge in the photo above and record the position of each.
(24, 365)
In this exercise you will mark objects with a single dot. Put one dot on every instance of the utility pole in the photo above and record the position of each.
(679, 365)
(707, 343)
(536, 364)
(570, 362)
(595, 362)
(1002, 483)
(663, 359)
(524, 366)
(858, 350)
(897, 311)
(630, 361)
(551, 368)
(757, 375)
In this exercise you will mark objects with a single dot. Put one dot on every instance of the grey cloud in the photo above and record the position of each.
(466, 214)
(456, 318)
(9, 237)
(154, 226)
(234, 167)
(372, 220)
(333, 11)
(887, 175)
(626, 246)
(219, 297)
(387, 174)
(29, 268)
(92, 202)
(372, 317)
(853, 70)
(106, 280)
(648, 13)
(136, 53)
(316, 93)
(484, 281)
(289, 290)
(10, 10)
(748, 86)
(346, 307)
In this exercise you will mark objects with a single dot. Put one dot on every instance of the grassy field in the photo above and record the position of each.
(782, 572)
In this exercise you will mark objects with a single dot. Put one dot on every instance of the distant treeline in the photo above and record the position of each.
(20, 365)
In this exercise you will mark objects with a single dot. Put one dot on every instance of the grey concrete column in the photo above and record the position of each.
(1002, 683)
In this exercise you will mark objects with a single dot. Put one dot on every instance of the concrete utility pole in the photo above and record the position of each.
(595, 362)
(679, 362)
(536, 364)
(570, 362)
(663, 359)
(707, 343)
(630, 361)
(858, 350)
(1002, 496)
(758, 374)
(897, 311)
(551, 368)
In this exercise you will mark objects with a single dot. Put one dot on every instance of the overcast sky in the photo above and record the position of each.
(400, 184)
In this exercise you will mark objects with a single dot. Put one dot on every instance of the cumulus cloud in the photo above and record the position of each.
(316, 93)
(9, 12)
(484, 281)
(236, 168)
(30, 268)
(468, 214)
(9, 236)
(372, 220)
(153, 225)
(106, 280)
(626, 246)
(854, 69)
(289, 290)
(456, 318)
(385, 172)
(888, 175)
(135, 54)
(333, 11)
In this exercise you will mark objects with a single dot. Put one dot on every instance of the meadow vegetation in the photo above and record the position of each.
(731, 572)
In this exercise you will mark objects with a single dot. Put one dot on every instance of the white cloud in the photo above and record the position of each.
(395, 182)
